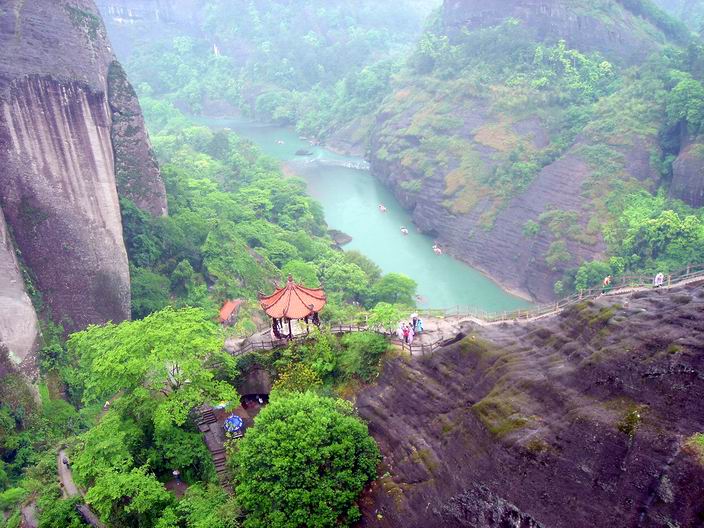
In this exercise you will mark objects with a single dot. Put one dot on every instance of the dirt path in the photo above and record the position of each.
(29, 516)
(68, 487)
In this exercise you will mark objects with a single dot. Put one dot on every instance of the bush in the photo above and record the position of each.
(362, 353)
(304, 463)
(11, 498)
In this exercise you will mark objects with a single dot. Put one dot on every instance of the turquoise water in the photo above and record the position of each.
(351, 195)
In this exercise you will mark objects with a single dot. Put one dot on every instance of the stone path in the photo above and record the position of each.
(214, 438)
(439, 330)
(68, 486)
(69, 489)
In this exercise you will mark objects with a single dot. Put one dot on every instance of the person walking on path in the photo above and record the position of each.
(658, 280)
(606, 284)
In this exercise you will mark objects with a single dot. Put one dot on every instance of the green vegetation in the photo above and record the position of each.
(236, 225)
(154, 372)
(313, 64)
(304, 463)
(487, 109)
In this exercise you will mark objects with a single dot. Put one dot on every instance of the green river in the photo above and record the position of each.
(351, 196)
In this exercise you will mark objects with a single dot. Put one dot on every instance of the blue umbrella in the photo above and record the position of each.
(233, 424)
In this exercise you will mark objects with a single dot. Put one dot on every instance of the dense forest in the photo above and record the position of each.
(398, 82)
(315, 65)
(485, 117)
(236, 227)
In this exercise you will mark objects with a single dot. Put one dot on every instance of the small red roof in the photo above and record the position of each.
(293, 301)
(228, 309)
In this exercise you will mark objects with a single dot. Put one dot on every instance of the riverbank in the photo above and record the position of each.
(350, 196)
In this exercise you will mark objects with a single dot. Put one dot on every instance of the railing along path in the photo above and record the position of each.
(623, 285)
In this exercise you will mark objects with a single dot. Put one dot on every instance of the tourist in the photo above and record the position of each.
(399, 331)
(404, 230)
(419, 326)
(411, 335)
(406, 333)
(606, 284)
(658, 280)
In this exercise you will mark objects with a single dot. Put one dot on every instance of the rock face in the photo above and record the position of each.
(584, 419)
(19, 328)
(688, 175)
(128, 20)
(441, 145)
(136, 169)
(619, 37)
(60, 135)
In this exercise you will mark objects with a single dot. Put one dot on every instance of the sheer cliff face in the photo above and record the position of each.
(128, 20)
(19, 327)
(577, 421)
(435, 141)
(615, 33)
(60, 133)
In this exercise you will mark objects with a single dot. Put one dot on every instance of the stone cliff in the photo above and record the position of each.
(131, 20)
(615, 31)
(19, 327)
(688, 174)
(68, 122)
(437, 141)
(590, 418)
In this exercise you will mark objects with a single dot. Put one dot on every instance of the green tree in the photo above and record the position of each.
(304, 463)
(167, 353)
(591, 274)
(395, 288)
(134, 498)
(385, 316)
(150, 292)
(298, 377)
(361, 355)
(181, 277)
(302, 273)
(685, 103)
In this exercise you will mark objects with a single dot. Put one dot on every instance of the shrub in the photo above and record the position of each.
(362, 353)
(304, 463)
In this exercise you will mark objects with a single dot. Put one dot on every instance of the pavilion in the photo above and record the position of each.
(293, 302)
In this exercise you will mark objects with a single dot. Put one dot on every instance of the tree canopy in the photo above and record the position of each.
(304, 463)
(167, 353)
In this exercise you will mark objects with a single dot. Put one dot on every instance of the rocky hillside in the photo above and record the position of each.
(691, 12)
(591, 418)
(515, 122)
(71, 137)
(132, 21)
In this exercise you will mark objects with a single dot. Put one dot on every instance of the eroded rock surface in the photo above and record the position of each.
(688, 174)
(136, 168)
(621, 36)
(581, 420)
(19, 328)
(440, 144)
(57, 158)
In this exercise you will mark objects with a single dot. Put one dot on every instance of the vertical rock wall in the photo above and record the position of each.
(59, 194)
(19, 328)
(60, 134)
(136, 169)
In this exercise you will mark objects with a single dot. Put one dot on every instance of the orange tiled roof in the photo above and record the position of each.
(293, 301)
(228, 309)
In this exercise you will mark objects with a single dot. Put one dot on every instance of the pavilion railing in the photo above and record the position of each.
(621, 285)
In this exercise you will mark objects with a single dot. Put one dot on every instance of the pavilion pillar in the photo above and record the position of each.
(290, 330)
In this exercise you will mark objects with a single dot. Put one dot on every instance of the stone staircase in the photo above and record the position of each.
(214, 440)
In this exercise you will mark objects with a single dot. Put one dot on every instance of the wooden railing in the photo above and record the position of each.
(620, 285)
